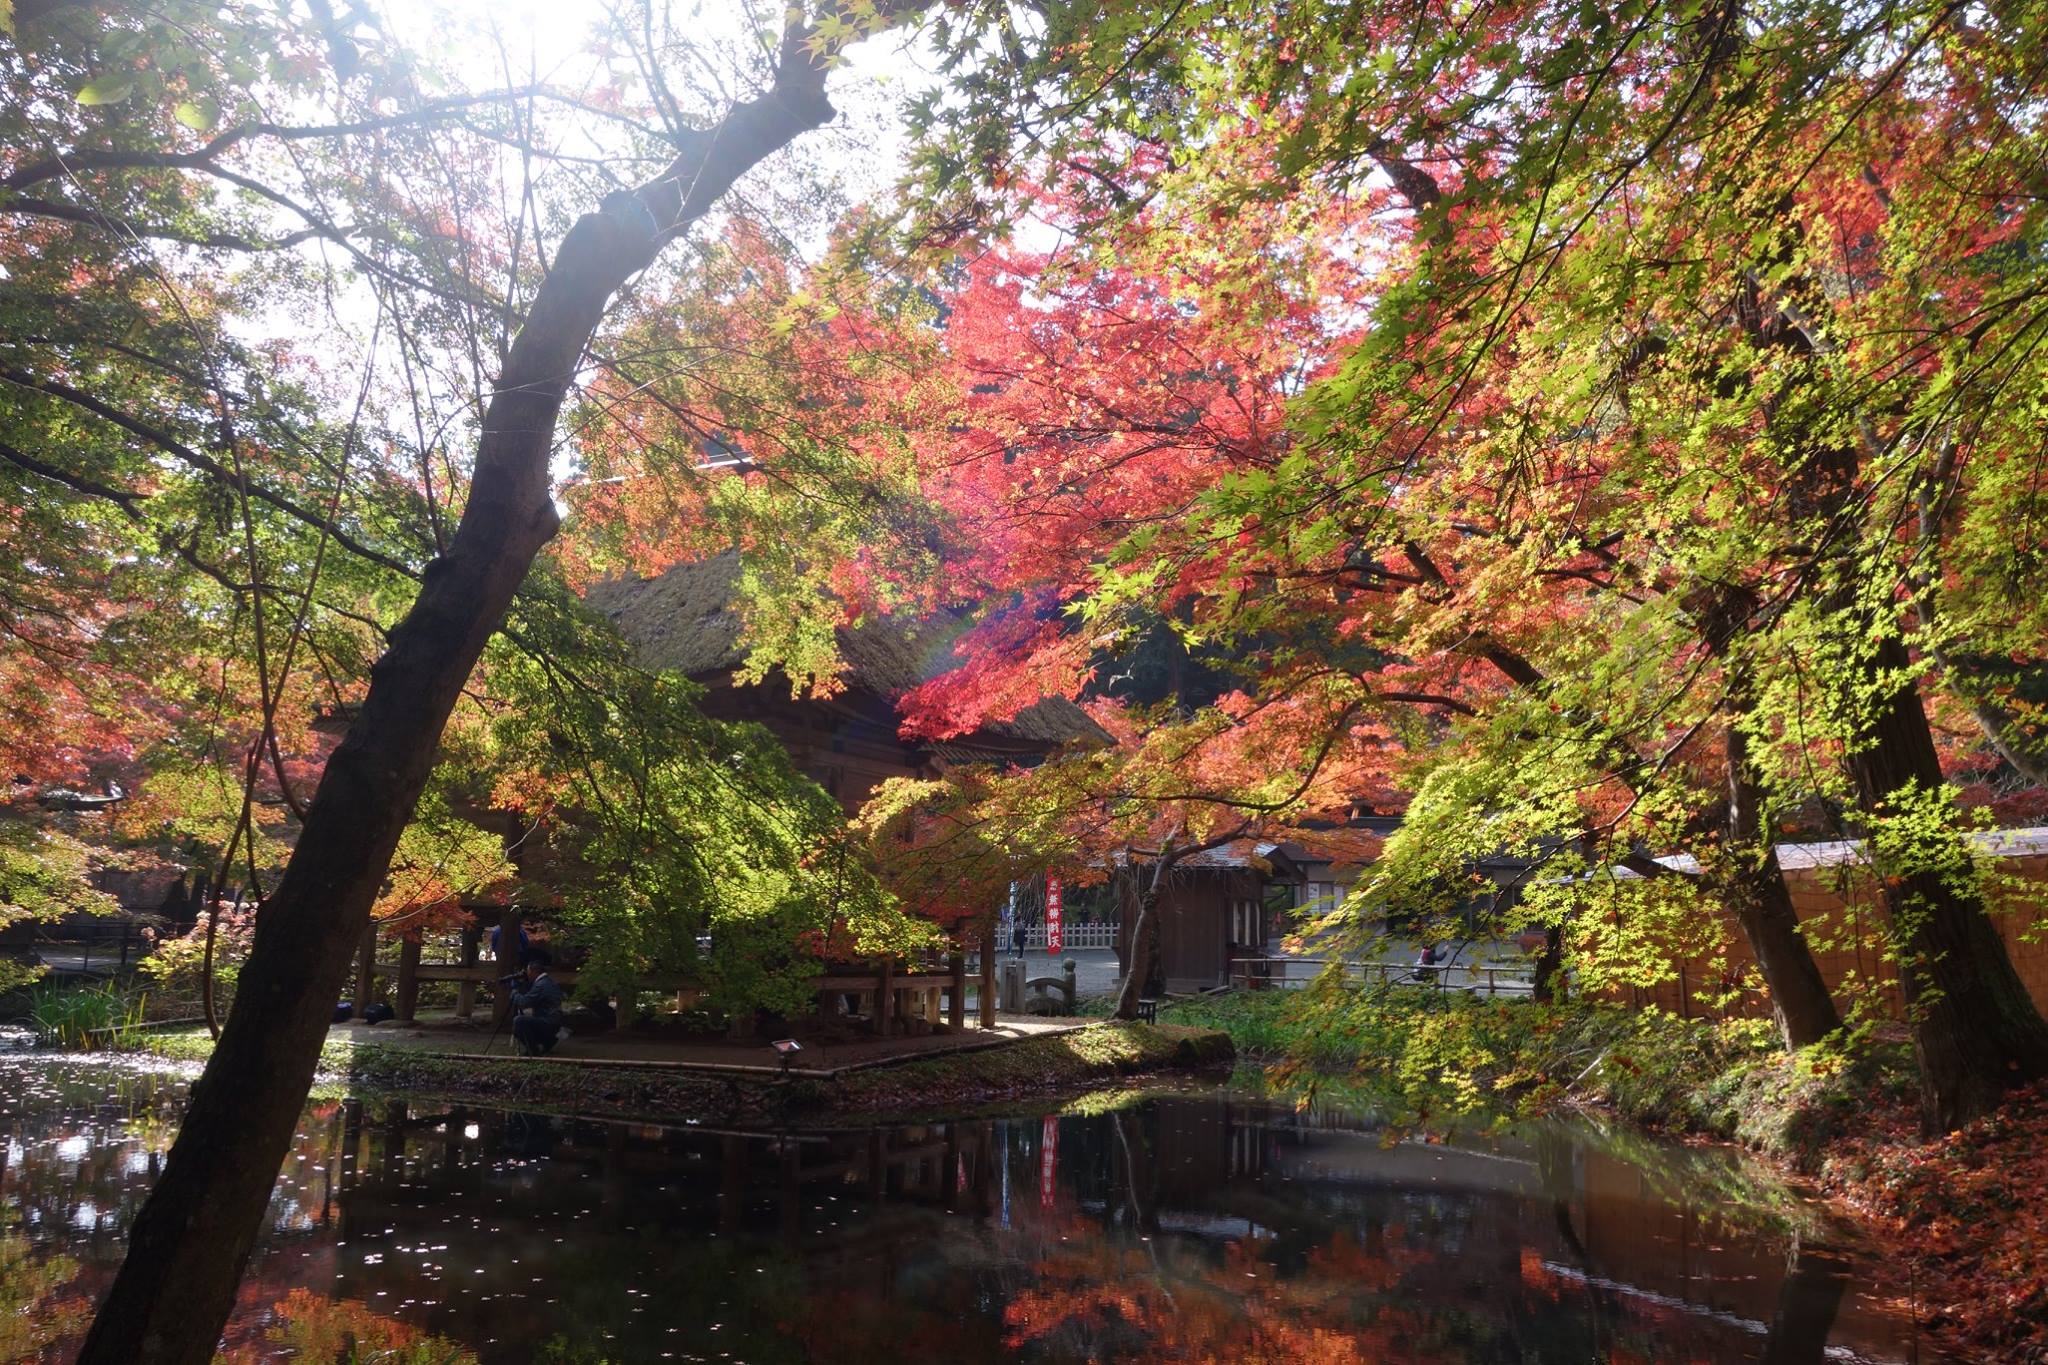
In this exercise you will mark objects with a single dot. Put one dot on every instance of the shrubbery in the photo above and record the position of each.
(1427, 1055)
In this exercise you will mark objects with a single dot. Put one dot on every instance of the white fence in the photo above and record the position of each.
(1293, 973)
(1074, 937)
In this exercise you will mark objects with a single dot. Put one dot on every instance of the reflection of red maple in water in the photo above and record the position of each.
(851, 1325)
(1197, 1310)
(320, 1329)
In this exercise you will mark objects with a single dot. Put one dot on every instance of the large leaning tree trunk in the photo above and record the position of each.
(192, 1239)
(1976, 1030)
(1753, 885)
(1746, 874)
(1747, 877)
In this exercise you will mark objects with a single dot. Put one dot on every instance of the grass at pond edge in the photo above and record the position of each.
(944, 1083)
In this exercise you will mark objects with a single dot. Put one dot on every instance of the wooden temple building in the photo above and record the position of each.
(686, 621)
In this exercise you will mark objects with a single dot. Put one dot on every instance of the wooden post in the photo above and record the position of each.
(506, 963)
(985, 1158)
(988, 973)
(366, 970)
(465, 993)
(792, 1190)
(408, 977)
(956, 1008)
(885, 999)
(949, 1175)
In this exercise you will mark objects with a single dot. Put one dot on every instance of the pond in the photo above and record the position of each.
(1182, 1226)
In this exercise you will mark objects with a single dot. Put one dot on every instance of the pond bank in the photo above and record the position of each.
(907, 1088)
(1958, 1214)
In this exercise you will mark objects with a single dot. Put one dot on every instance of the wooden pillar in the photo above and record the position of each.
(408, 977)
(366, 970)
(465, 993)
(985, 1158)
(351, 1143)
(393, 1171)
(732, 1185)
(885, 998)
(956, 1010)
(616, 1187)
(988, 973)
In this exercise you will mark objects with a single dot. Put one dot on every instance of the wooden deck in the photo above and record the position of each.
(448, 1035)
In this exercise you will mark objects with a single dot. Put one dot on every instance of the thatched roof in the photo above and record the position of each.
(685, 621)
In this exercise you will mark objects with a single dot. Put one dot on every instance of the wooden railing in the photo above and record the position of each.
(886, 995)
(1293, 973)
(106, 947)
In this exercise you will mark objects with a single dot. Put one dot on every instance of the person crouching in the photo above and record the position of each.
(536, 1006)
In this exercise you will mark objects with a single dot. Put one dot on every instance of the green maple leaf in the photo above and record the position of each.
(106, 90)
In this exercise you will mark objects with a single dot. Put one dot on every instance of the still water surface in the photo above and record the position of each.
(1188, 1226)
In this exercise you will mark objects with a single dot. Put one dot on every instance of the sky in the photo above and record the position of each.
(860, 155)
(864, 149)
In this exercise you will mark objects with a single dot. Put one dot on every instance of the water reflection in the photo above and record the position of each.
(1186, 1228)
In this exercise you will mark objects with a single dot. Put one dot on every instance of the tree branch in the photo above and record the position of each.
(171, 445)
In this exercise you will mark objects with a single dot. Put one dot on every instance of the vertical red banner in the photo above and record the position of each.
(1048, 1157)
(1055, 937)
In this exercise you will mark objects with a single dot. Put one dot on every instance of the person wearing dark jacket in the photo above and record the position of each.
(537, 1006)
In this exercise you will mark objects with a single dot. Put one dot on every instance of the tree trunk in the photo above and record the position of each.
(1753, 885)
(366, 971)
(1745, 874)
(1144, 936)
(192, 1238)
(1755, 891)
(1549, 965)
(1976, 1031)
(1144, 963)
(1808, 1302)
